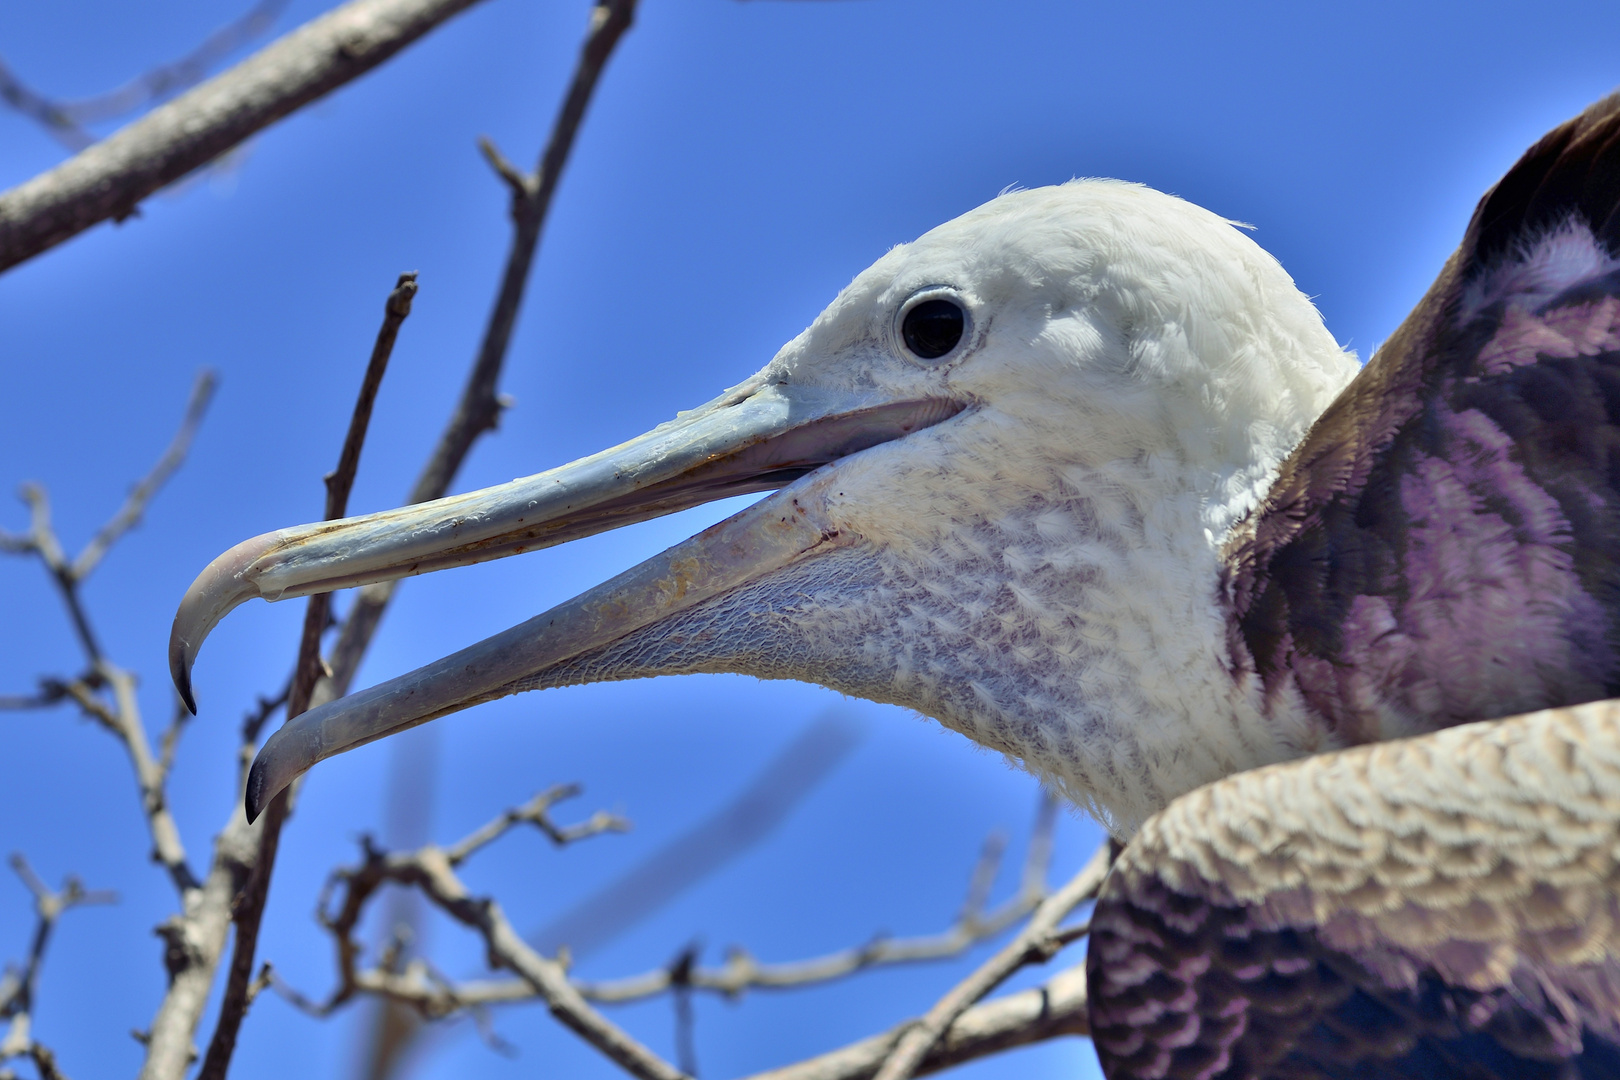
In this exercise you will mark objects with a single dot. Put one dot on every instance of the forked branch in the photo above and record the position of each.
(105, 692)
(17, 988)
(431, 870)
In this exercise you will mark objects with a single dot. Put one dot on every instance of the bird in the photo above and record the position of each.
(1331, 650)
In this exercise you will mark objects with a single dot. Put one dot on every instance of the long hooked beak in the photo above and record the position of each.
(759, 436)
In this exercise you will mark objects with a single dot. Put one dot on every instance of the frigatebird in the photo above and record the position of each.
(1082, 475)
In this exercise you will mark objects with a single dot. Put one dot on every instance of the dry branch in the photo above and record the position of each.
(435, 997)
(431, 870)
(1053, 1010)
(479, 407)
(974, 924)
(121, 714)
(249, 909)
(954, 1031)
(110, 178)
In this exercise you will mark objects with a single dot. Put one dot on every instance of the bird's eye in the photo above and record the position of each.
(933, 328)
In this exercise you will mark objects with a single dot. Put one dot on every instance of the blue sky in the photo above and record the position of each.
(741, 162)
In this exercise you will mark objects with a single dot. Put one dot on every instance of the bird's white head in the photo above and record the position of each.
(1010, 451)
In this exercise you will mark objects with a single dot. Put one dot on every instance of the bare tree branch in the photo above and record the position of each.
(193, 939)
(1051, 1011)
(536, 812)
(122, 715)
(431, 870)
(1039, 941)
(435, 996)
(398, 1032)
(249, 909)
(63, 118)
(17, 989)
(110, 178)
(742, 972)
(129, 515)
(479, 407)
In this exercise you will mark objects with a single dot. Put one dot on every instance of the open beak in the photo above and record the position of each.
(759, 436)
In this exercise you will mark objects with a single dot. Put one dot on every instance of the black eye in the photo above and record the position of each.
(933, 328)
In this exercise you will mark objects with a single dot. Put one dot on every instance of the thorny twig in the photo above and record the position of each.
(249, 908)
(121, 715)
(65, 119)
(17, 989)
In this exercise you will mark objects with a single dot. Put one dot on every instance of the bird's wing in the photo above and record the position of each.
(1438, 907)
(1444, 546)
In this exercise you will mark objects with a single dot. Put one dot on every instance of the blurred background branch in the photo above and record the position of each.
(19, 988)
(65, 120)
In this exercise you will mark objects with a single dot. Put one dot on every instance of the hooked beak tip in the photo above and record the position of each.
(254, 799)
(180, 671)
(221, 586)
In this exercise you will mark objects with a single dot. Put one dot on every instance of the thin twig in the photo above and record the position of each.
(110, 178)
(536, 812)
(129, 515)
(249, 910)
(340, 481)
(1038, 941)
(40, 539)
(479, 407)
(741, 972)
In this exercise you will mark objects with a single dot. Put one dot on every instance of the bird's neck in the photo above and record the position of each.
(1083, 636)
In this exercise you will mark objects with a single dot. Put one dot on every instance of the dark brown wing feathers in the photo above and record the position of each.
(1443, 547)
(1331, 551)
